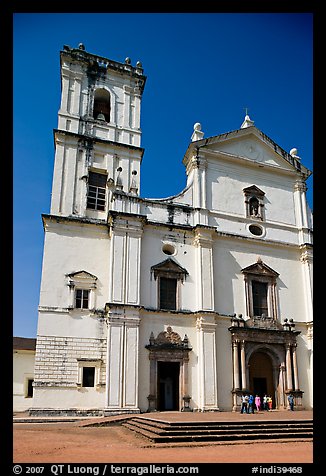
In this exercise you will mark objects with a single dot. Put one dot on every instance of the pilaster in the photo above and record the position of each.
(301, 213)
(307, 270)
(204, 262)
(207, 374)
(125, 252)
(122, 361)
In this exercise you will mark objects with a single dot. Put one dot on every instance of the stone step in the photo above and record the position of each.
(174, 426)
(163, 428)
(214, 430)
(158, 431)
(158, 422)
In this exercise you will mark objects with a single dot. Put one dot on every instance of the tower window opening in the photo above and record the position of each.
(102, 106)
(96, 192)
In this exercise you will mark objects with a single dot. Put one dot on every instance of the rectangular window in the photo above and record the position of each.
(82, 298)
(168, 293)
(96, 191)
(259, 298)
(30, 388)
(88, 377)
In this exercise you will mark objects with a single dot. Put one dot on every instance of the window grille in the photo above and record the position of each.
(96, 193)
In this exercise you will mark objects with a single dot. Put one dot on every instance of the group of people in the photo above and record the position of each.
(249, 403)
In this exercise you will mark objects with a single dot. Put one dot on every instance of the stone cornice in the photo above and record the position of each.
(95, 139)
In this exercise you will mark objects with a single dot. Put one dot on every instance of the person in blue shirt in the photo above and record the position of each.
(291, 401)
(251, 404)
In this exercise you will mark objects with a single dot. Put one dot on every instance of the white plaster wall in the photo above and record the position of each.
(224, 364)
(69, 248)
(75, 323)
(156, 323)
(65, 398)
(305, 368)
(231, 255)
(152, 241)
(23, 369)
(225, 184)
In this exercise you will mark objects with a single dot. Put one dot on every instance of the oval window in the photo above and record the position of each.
(255, 230)
(168, 249)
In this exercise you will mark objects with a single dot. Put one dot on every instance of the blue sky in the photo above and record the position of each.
(200, 67)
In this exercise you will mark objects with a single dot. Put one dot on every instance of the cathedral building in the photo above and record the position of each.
(183, 303)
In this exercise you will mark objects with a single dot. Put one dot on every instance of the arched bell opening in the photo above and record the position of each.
(102, 105)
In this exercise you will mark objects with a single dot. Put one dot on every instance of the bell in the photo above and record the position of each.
(101, 117)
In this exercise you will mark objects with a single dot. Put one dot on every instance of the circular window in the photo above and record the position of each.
(168, 249)
(255, 230)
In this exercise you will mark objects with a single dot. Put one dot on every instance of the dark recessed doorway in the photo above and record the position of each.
(261, 376)
(168, 386)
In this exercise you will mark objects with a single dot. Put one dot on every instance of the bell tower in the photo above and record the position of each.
(98, 139)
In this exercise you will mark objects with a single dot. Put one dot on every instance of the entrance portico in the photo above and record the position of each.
(264, 361)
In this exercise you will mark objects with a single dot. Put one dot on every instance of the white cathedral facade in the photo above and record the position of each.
(183, 303)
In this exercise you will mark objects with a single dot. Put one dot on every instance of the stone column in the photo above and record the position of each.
(288, 367)
(282, 386)
(184, 391)
(243, 365)
(275, 383)
(236, 376)
(295, 367)
(152, 397)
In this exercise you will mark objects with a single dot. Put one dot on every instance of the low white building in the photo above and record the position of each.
(23, 373)
(181, 303)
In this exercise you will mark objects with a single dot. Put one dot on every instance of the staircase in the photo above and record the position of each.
(158, 431)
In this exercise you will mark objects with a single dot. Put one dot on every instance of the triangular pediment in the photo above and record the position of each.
(253, 190)
(252, 144)
(169, 267)
(81, 275)
(260, 269)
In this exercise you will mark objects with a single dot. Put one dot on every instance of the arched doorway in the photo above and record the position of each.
(261, 380)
